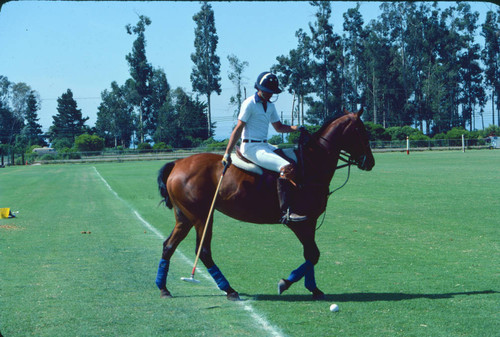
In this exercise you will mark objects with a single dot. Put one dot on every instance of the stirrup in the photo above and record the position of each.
(292, 217)
(297, 218)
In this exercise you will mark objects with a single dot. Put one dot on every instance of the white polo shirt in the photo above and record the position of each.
(257, 120)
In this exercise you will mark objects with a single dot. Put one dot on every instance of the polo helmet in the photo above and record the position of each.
(267, 82)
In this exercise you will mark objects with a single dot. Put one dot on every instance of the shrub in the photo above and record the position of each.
(456, 133)
(161, 146)
(144, 146)
(61, 143)
(48, 156)
(276, 140)
(88, 143)
(376, 131)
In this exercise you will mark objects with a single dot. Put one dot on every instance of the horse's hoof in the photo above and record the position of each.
(164, 293)
(233, 296)
(318, 295)
(283, 285)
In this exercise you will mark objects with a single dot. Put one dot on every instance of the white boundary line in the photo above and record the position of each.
(274, 331)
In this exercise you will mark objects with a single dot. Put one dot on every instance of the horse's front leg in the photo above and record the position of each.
(305, 233)
(214, 271)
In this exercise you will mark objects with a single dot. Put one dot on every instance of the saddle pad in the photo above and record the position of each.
(251, 167)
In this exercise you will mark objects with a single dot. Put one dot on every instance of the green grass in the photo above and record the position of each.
(409, 249)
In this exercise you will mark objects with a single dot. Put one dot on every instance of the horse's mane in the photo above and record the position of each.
(328, 122)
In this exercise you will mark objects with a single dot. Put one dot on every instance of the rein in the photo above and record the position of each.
(348, 164)
(343, 156)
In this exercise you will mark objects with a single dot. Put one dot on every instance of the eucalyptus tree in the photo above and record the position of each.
(11, 121)
(159, 95)
(377, 72)
(115, 117)
(353, 57)
(141, 71)
(235, 75)
(205, 75)
(294, 71)
(191, 118)
(325, 66)
(491, 58)
(470, 72)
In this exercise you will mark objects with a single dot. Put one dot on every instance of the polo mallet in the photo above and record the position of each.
(192, 279)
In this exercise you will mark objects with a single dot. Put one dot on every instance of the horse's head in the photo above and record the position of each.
(348, 133)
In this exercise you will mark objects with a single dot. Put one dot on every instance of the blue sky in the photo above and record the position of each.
(53, 46)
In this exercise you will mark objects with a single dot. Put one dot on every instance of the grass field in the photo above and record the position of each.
(409, 249)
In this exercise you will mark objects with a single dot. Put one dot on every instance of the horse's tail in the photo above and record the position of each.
(162, 179)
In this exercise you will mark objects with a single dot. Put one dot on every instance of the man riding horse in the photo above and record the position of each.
(256, 112)
(193, 186)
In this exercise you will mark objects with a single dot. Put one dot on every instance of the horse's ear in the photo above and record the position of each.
(359, 113)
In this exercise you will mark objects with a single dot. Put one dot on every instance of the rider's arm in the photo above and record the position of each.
(235, 135)
(283, 128)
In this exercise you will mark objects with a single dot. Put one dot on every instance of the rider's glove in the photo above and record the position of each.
(226, 160)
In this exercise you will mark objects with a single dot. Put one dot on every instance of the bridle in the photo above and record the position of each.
(348, 159)
(343, 155)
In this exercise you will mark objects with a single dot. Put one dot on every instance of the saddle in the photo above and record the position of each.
(246, 165)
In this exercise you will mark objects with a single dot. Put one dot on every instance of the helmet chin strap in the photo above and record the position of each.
(274, 98)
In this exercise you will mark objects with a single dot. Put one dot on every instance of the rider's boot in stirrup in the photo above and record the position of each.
(284, 195)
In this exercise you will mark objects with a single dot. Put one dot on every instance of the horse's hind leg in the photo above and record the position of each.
(179, 233)
(206, 258)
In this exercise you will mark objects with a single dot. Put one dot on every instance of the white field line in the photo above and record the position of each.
(259, 319)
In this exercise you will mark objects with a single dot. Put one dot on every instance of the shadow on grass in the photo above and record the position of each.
(366, 297)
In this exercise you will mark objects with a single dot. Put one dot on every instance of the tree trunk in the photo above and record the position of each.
(209, 116)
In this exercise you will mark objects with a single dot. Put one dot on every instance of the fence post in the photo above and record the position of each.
(407, 145)
(463, 144)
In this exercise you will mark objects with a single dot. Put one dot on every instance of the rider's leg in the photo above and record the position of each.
(285, 180)
(263, 154)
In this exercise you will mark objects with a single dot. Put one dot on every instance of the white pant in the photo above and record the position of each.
(263, 155)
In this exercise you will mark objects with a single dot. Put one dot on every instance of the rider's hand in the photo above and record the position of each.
(226, 160)
(302, 128)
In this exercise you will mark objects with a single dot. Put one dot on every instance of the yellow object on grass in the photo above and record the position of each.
(4, 213)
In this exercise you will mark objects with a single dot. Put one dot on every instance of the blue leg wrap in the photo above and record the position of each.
(221, 281)
(310, 280)
(161, 276)
(299, 273)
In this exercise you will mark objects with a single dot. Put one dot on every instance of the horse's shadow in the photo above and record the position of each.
(365, 297)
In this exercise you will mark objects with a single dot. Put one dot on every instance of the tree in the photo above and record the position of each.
(10, 122)
(10, 126)
(115, 117)
(294, 71)
(491, 57)
(235, 75)
(192, 119)
(141, 71)
(470, 72)
(159, 95)
(89, 143)
(378, 54)
(19, 98)
(353, 57)
(205, 76)
(324, 66)
(182, 121)
(32, 131)
(68, 122)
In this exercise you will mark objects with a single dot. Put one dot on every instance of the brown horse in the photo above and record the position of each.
(188, 186)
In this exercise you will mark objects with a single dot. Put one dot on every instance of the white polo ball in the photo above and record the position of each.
(334, 308)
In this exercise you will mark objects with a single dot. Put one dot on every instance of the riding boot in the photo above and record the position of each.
(284, 196)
